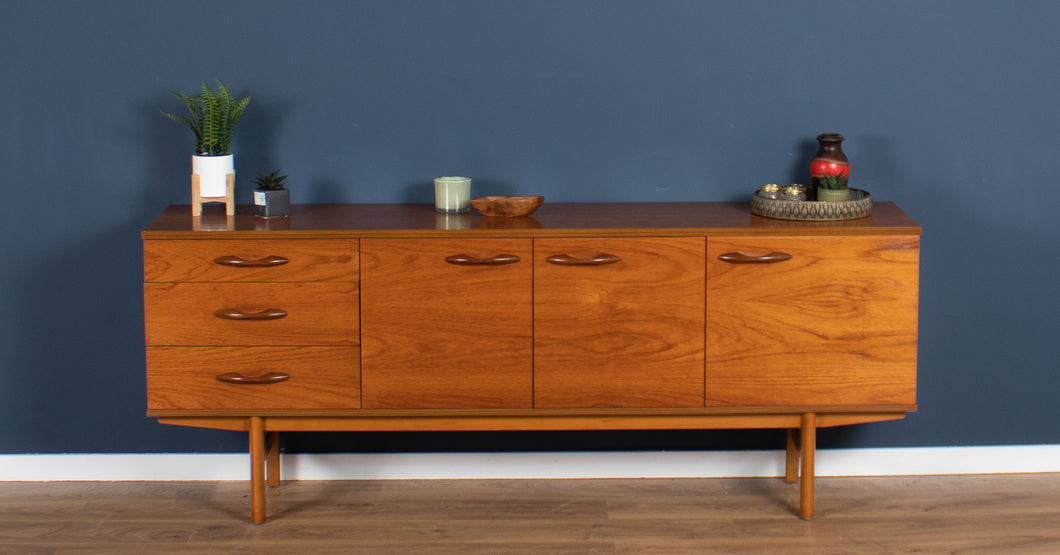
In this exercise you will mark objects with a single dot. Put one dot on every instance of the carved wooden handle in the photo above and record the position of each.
(240, 379)
(236, 314)
(468, 260)
(598, 260)
(743, 258)
(240, 262)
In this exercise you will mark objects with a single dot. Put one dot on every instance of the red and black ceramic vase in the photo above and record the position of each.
(829, 160)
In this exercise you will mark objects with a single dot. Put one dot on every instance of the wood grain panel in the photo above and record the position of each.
(322, 313)
(627, 334)
(439, 335)
(835, 325)
(307, 260)
(186, 378)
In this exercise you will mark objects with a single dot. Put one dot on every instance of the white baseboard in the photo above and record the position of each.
(416, 466)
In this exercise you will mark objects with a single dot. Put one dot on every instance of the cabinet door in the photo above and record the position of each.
(618, 322)
(446, 323)
(836, 324)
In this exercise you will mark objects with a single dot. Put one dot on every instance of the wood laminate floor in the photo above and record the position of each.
(1014, 513)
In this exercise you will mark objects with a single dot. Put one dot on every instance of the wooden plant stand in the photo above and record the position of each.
(197, 199)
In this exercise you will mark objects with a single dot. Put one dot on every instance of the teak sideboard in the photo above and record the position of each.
(593, 316)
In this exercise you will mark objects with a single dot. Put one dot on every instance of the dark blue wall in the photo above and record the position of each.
(949, 109)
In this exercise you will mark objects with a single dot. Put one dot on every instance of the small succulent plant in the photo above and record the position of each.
(833, 182)
(271, 181)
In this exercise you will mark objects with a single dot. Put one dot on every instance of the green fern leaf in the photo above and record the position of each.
(214, 116)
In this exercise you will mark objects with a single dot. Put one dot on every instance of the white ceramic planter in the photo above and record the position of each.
(213, 172)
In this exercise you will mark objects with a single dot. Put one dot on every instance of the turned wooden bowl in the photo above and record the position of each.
(507, 207)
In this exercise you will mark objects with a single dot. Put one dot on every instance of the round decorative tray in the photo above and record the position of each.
(859, 206)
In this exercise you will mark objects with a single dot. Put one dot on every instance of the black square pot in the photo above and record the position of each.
(272, 203)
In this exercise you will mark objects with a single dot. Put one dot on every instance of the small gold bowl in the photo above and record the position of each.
(508, 207)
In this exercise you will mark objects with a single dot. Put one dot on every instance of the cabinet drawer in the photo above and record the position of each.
(834, 324)
(316, 378)
(251, 260)
(251, 313)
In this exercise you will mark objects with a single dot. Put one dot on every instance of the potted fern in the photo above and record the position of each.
(271, 199)
(213, 117)
(832, 188)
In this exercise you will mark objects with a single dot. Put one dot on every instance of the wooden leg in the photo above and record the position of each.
(230, 194)
(808, 445)
(791, 462)
(257, 469)
(272, 458)
(196, 197)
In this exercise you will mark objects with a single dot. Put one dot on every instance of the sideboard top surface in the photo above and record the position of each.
(556, 219)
